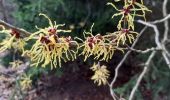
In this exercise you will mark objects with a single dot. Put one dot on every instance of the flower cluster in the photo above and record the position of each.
(98, 46)
(12, 40)
(16, 63)
(25, 82)
(101, 74)
(129, 11)
(125, 33)
(49, 48)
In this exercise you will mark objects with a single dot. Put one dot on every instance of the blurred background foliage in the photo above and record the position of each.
(76, 14)
(79, 15)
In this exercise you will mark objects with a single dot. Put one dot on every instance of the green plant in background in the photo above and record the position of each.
(51, 46)
(77, 14)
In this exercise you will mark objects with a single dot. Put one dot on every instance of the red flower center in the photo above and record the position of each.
(14, 32)
(44, 40)
(127, 10)
(93, 40)
(52, 31)
(125, 30)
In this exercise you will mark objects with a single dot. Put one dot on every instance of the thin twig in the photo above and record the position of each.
(145, 51)
(157, 41)
(165, 52)
(166, 23)
(161, 20)
(142, 75)
(122, 61)
(7, 25)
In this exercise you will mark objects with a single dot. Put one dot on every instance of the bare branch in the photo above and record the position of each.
(7, 25)
(157, 41)
(142, 75)
(160, 45)
(145, 51)
(161, 20)
(122, 61)
(166, 23)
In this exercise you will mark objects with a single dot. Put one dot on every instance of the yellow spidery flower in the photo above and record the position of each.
(39, 53)
(25, 82)
(16, 63)
(6, 44)
(12, 40)
(19, 44)
(125, 35)
(108, 52)
(50, 30)
(139, 6)
(2, 27)
(101, 74)
(96, 46)
(130, 10)
(50, 48)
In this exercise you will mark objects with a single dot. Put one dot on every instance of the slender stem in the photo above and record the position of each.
(20, 30)
(142, 75)
(122, 61)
